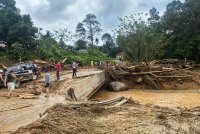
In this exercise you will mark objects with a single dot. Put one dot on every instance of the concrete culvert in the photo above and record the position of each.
(117, 86)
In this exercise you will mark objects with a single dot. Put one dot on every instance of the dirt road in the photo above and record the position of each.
(15, 112)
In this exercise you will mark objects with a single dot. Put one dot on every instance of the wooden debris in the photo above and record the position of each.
(111, 101)
(28, 96)
(43, 116)
(40, 62)
(63, 61)
(151, 82)
(17, 108)
(121, 102)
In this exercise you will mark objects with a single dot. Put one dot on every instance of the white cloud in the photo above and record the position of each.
(55, 14)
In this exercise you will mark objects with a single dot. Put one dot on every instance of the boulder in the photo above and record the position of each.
(117, 86)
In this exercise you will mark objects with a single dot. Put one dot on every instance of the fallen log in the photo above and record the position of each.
(16, 108)
(151, 82)
(111, 101)
(28, 96)
(152, 73)
(111, 74)
(43, 116)
(121, 102)
(175, 76)
(63, 61)
(155, 68)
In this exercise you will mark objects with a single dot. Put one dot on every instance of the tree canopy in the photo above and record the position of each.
(89, 28)
(181, 26)
(141, 37)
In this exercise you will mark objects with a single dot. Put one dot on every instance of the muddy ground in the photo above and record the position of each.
(127, 119)
(16, 112)
(180, 111)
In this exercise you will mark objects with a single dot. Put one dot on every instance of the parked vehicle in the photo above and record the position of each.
(24, 71)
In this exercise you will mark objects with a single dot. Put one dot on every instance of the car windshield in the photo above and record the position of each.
(15, 68)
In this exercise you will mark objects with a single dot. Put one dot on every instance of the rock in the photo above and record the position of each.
(138, 80)
(117, 86)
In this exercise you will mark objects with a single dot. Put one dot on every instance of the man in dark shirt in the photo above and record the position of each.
(11, 78)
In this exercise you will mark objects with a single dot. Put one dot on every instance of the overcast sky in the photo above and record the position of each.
(56, 14)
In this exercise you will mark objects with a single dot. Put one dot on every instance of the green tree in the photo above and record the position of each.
(48, 48)
(137, 40)
(108, 45)
(23, 33)
(15, 28)
(89, 28)
(64, 34)
(62, 44)
(9, 15)
(80, 31)
(47, 35)
(154, 20)
(180, 25)
(81, 44)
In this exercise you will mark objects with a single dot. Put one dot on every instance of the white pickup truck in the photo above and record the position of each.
(24, 71)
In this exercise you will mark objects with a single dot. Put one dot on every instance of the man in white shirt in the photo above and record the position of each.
(74, 67)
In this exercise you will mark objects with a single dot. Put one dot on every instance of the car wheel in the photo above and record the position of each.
(17, 84)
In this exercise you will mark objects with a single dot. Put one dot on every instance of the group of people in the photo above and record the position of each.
(10, 79)
(57, 67)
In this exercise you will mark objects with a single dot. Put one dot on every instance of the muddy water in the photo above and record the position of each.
(167, 98)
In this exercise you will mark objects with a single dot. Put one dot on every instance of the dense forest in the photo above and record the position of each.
(139, 36)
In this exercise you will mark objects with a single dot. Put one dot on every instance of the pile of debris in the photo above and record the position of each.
(130, 118)
(153, 75)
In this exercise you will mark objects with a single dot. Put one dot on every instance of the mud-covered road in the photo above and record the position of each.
(15, 112)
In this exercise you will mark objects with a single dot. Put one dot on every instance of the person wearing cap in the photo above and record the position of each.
(1, 78)
(11, 78)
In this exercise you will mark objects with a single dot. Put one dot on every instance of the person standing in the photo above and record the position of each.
(1, 78)
(74, 67)
(58, 69)
(47, 82)
(35, 75)
(11, 78)
(92, 63)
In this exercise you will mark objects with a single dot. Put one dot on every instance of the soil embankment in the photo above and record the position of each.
(127, 119)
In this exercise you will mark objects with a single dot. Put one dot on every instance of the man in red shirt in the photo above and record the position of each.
(58, 69)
